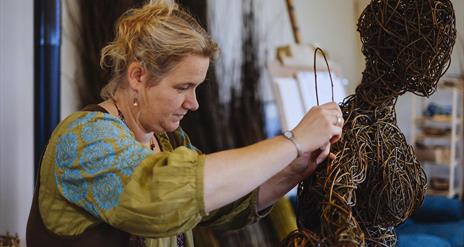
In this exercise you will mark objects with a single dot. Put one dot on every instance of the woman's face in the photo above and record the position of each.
(167, 102)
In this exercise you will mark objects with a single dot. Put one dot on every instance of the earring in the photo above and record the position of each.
(135, 102)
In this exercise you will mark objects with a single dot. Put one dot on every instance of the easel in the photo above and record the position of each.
(292, 82)
(292, 77)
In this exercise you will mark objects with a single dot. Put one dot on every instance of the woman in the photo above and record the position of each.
(124, 173)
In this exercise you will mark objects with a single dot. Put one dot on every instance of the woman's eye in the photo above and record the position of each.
(183, 87)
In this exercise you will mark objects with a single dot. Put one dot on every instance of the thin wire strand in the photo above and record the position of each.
(315, 73)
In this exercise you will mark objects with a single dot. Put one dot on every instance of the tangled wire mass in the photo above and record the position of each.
(376, 182)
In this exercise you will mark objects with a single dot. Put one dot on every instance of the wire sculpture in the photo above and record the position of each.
(376, 182)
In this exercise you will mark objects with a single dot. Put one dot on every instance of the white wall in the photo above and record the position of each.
(16, 114)
(16, 108)
(329, 24)
(69, 90)
(457, 59)
(332, 25)
(403, 106)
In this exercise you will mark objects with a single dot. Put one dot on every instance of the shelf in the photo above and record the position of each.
(446, 193)
(451, 83)
(438, 139)
(438, 164)
(436, 118)
(433, 155)
(435, 141)
(438, 121)
(440, 186)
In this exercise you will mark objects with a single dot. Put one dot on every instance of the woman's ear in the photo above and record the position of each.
(137, 76)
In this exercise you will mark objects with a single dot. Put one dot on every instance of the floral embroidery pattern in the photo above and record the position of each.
(75, 189)
(97, 157)
(82, 120)
(66, 150)
(129, 157)
(107, 154)
(106, 190)
(90, 208)
(100, 130)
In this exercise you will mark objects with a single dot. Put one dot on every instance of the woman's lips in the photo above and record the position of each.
(180, 116)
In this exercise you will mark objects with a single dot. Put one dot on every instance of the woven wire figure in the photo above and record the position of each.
(376, 182)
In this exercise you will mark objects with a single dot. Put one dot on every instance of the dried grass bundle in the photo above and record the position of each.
(9, 241)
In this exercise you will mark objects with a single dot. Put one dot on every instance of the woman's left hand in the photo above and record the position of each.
(305, 165)
(290, 176)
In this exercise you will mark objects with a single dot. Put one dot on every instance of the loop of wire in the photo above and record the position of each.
(315, 73)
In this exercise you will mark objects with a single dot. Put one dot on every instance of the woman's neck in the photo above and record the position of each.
(122, 107)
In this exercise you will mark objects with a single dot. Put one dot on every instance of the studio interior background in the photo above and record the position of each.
(241, 88)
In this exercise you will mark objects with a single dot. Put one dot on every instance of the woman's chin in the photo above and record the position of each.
(172, 126)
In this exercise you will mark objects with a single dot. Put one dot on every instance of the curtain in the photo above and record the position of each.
(47, 41)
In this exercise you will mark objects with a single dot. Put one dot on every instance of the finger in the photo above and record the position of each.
(337, 134)
(314, 155)
(339, 121)
(304, 156)
(335, 139)
(330, 105)
(332, 156)
(324, 147)
(323, 155)
(310, 168)
(336, 115)
(332, 111)
(333, 108)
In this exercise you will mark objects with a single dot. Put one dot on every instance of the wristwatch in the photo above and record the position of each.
(291, 136)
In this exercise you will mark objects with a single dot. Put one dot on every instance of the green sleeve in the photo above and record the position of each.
(234, 215)
(237, 214)
(164, 195)
(102, 169)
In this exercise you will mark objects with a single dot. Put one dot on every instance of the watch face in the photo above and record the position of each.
(288, 134)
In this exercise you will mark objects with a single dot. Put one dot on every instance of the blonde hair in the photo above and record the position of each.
(159, 35)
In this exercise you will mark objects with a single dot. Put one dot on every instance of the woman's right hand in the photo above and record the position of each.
(319, 128)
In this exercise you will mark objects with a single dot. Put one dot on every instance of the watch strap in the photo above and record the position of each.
(291, 137)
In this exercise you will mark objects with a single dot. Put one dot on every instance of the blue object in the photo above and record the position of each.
(436, 209)
(47, 41)
(453, 232)
(422, 240)
(439, 218)
(272, 122)
(439, 222)
(433, 109)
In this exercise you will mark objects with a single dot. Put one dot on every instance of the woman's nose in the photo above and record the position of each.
(191, 102)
